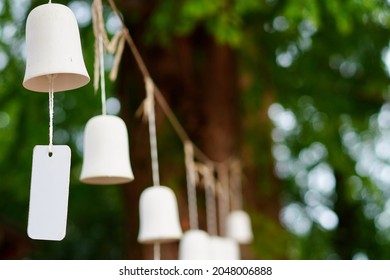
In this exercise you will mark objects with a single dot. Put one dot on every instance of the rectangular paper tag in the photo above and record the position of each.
(49, 193)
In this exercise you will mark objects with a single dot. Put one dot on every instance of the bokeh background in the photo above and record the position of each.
(296, 89)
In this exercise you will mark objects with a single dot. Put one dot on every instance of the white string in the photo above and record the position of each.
(149, 105)
(102, 81)
(191, 185)
(157, 251)
(223, 197)
(211, 210)
(152, 130)
(236, 185)
(221, 202)
(51, 114)
(49, 1)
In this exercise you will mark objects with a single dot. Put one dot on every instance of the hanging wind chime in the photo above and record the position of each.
(223, 247)
(238, 223)
(54, 63)
(158, 211)
(106, 144)
(195, 243)
(211, 211)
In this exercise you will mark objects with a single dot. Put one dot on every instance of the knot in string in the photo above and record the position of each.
(115, 46)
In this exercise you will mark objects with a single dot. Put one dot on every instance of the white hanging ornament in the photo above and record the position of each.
(54, 63)
(195, 243)
(238, 227)
(158, 211)
(159, 216)
(224, 248)
(106, 152)
(53, 48)
(220, 248)
(106, 145)
(238, 222)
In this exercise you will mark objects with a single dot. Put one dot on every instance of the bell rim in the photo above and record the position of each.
(29, 84)
(106, 180)
(159, 239)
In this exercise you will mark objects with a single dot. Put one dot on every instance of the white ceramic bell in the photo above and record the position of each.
(53, 48)
(238, 227)
(106, 152)
(224, 248)
(195, 245)
(159, 216)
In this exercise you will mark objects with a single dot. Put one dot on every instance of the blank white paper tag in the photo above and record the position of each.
(49, 193)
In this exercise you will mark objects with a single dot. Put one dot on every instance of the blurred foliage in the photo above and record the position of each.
(322, 64)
